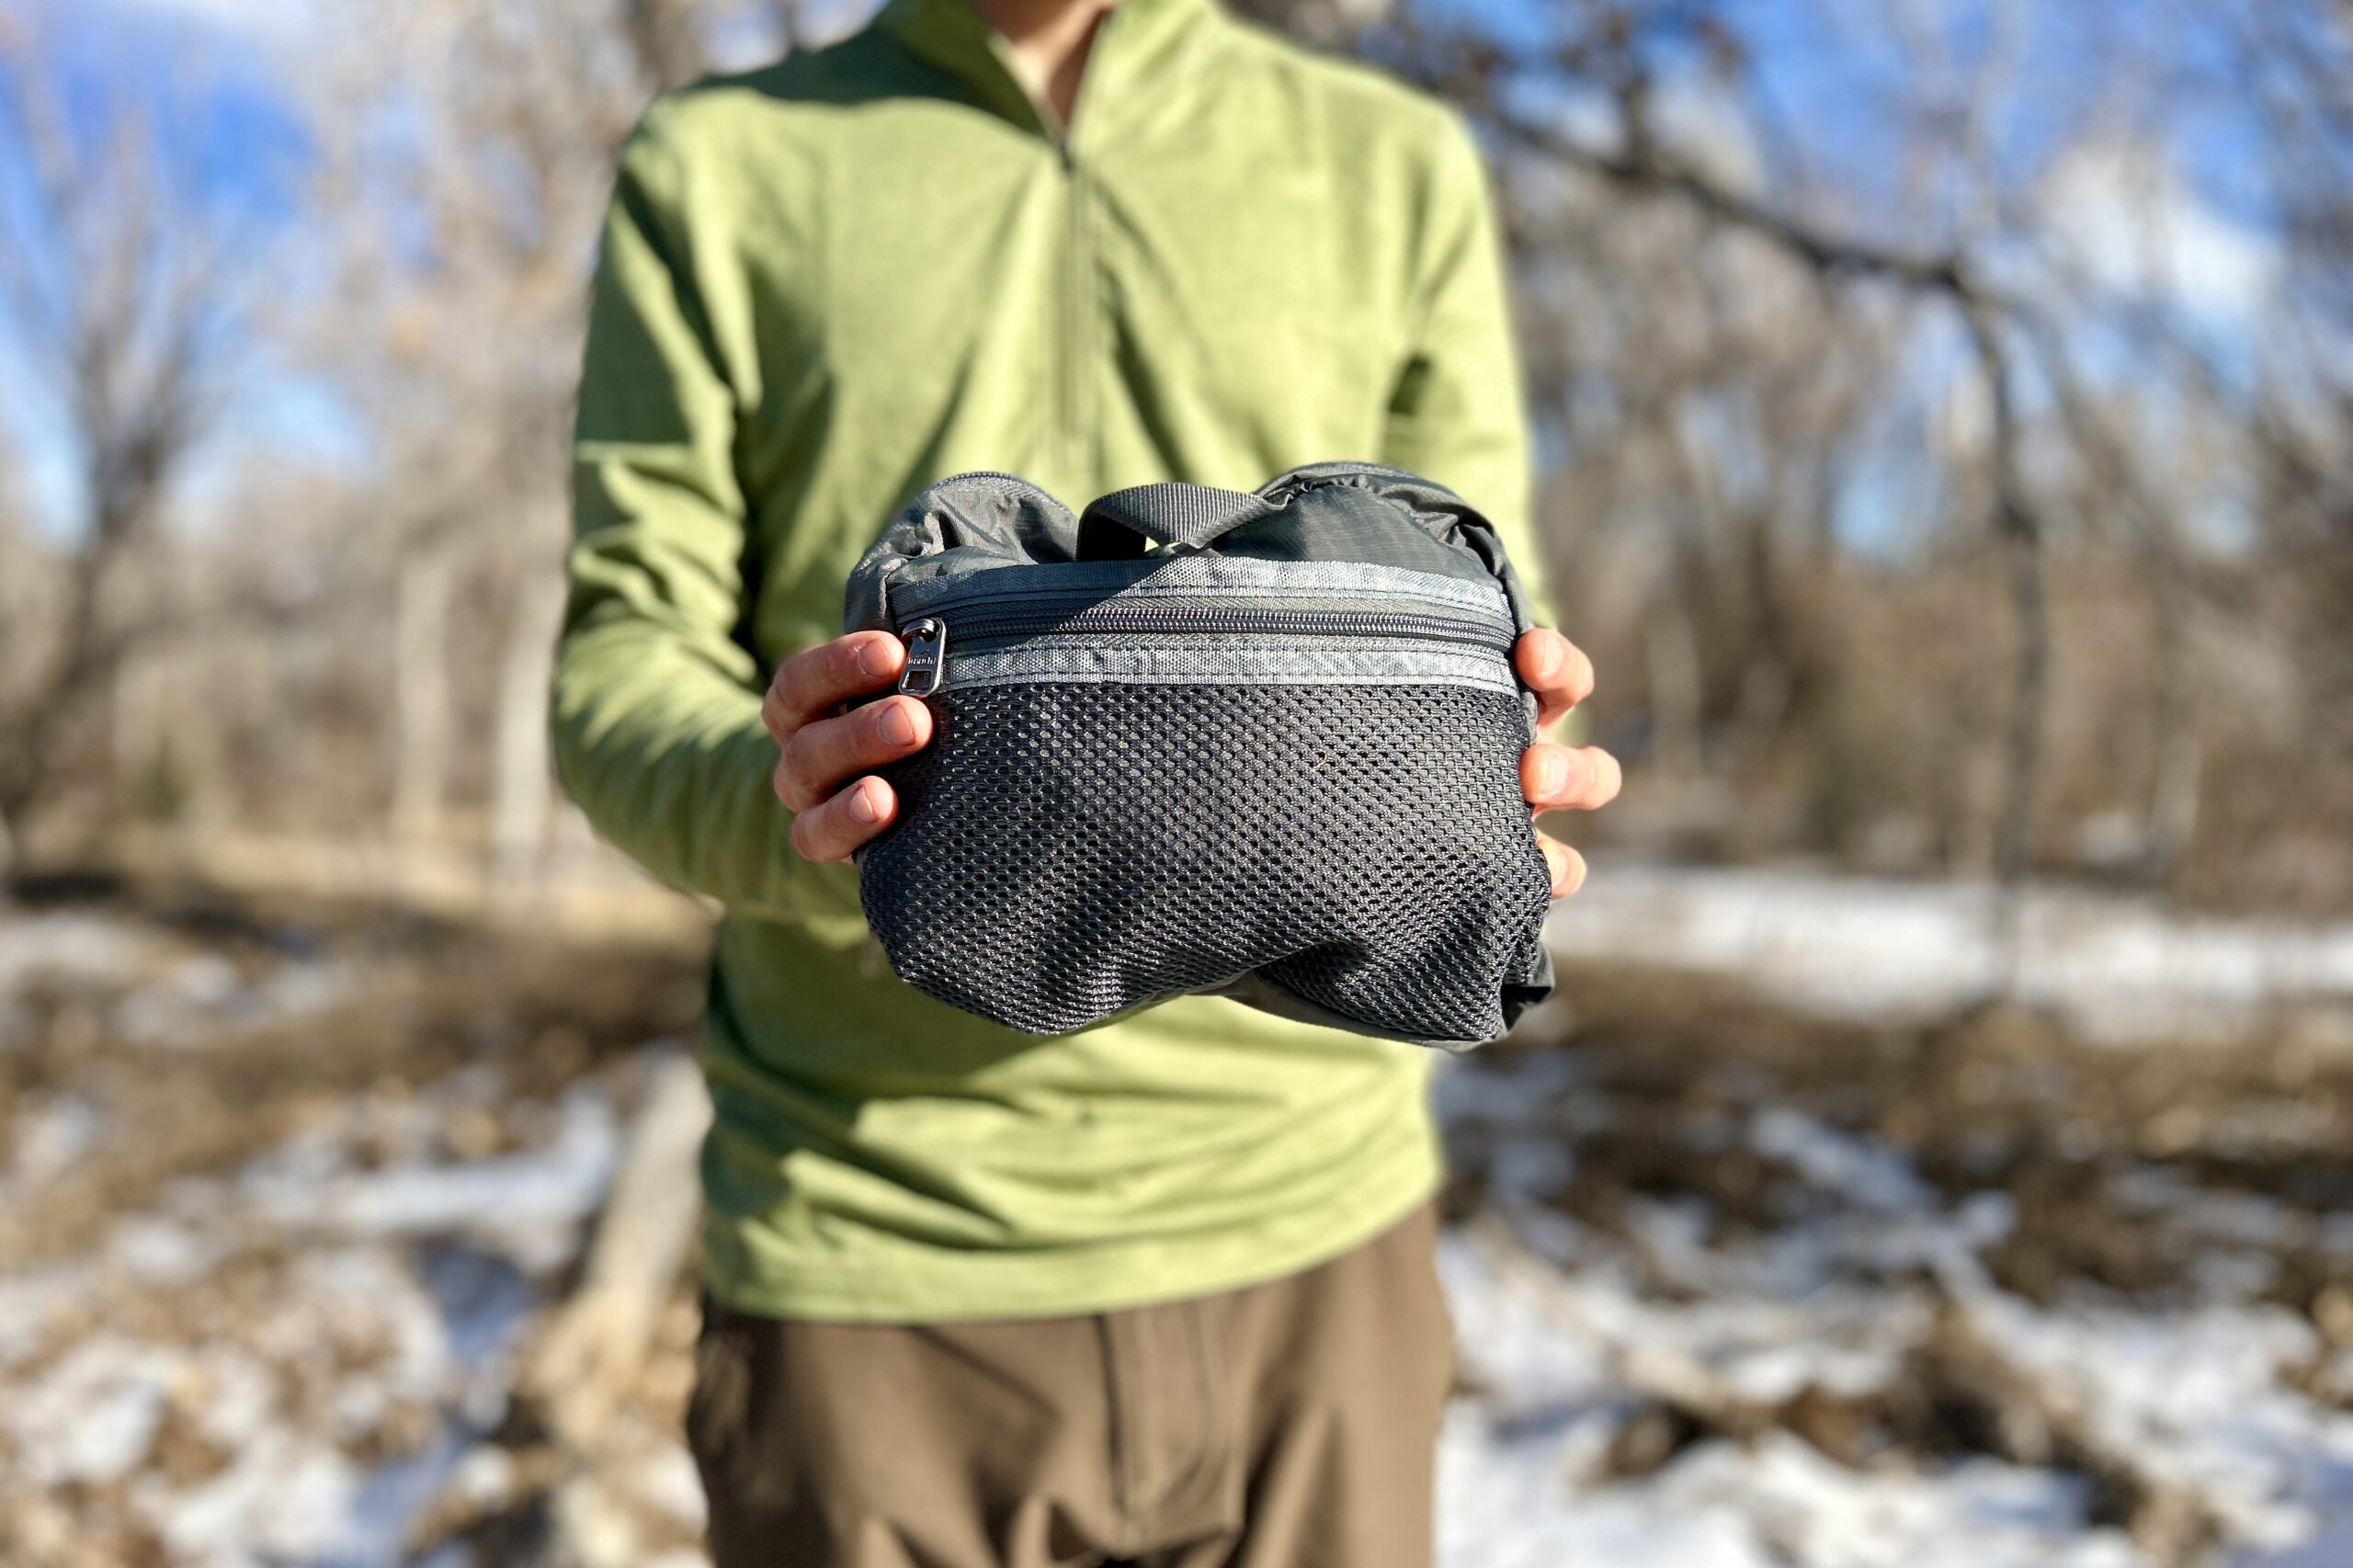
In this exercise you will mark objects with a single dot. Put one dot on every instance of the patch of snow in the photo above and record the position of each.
(32, 1305)
(161, 991)
(1566, 1332)
(2197, 1396)
(286, 1499)
(664, 1478)
(75, 949)
(2111, 966)
(160, 1251)
(48, 1138)
(1860, 1171)
(527, 1204)
(2330, 1548)
(205, 995)
(92, 1418)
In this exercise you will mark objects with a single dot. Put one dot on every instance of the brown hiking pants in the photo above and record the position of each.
(1289, 1425)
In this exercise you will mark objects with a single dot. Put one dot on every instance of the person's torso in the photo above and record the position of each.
(908, 274)
(912, 274)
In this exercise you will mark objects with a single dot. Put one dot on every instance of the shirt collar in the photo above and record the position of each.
(1134, 41)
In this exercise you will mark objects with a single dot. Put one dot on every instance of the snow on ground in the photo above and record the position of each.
(158, 985)
(1866, 1295)
(282, 1366)
(2111, 965)
(1711, 1314)
(1526, 1458)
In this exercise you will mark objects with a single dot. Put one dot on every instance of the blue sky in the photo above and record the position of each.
(232, 143)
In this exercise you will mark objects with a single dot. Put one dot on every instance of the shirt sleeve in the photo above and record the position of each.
(655, 705)
(1458, 414)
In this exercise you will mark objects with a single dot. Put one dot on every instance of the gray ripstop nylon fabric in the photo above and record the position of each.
(1327, 827)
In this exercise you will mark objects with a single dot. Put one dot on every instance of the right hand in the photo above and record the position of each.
(822, 775)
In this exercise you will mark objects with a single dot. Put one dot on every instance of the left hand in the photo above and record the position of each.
(1561, 777)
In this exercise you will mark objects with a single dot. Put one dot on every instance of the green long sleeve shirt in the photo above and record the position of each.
(826, 284)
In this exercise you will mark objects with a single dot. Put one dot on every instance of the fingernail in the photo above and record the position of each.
(1551, 772)
(898, 725)
(863, 805)
(1548, 656)
(874, 657)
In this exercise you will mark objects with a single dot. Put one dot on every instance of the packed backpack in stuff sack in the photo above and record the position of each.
(1265, 745)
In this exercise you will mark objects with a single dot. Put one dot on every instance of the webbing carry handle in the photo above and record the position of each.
(1117, 525)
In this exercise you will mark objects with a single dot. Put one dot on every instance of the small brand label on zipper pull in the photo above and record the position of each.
(926, 657)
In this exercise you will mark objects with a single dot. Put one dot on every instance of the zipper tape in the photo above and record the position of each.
(985, 623)
(1184, 577)
(1172, 662)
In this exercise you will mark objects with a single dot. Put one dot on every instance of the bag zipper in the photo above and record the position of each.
(926, 638)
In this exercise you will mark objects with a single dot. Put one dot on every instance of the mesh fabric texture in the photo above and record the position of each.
(1067, 851)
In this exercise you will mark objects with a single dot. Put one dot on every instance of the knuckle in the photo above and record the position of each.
(812, 835)
(780, 678)
(796, 681)
(892, 725)
(846, 662)
(803, 783)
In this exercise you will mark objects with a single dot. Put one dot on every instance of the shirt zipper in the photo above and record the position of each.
(1078, 327)
(1078, 324)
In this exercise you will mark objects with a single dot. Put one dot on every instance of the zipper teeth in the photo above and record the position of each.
(982, 625)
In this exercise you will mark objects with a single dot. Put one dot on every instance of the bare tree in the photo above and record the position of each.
(120, 285)
(1843, 504)
(466, 351)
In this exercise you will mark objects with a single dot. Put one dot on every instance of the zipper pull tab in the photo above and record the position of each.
(926, 658)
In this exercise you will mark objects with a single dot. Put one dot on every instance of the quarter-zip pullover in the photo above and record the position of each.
(826, 284)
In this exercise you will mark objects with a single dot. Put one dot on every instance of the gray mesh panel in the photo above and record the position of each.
(1386, 873)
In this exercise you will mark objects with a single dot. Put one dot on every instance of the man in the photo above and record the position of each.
(1160, 1291)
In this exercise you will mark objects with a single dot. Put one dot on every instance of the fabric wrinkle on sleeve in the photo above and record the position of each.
(1456, 413)
(655, 705)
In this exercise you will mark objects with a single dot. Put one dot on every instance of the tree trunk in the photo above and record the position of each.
(421, 705)
(519, 814)
(1671, 648)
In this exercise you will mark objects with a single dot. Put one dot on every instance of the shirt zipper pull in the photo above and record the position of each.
(926, 657)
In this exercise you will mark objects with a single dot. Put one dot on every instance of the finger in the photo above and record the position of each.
(833, 829)
(1565, 864)
(815, 681)
(822, 754)
(1569, 777)
(1556, 669)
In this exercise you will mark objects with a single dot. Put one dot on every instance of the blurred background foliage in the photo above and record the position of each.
(1943, 410)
